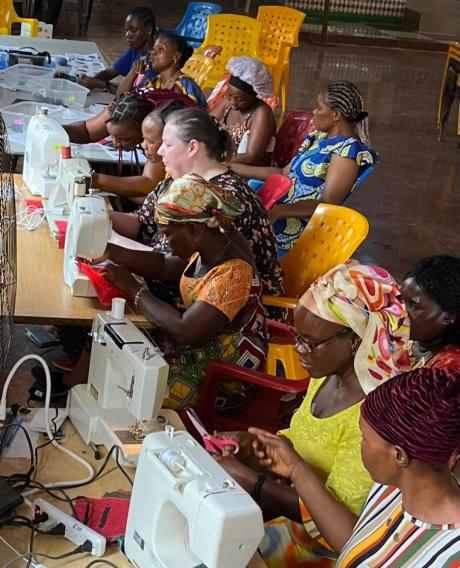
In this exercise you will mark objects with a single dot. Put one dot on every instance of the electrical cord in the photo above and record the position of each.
(62, 449)
(100, 561)
(85, 547)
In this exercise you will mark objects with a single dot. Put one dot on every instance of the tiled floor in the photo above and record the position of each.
(412, 199)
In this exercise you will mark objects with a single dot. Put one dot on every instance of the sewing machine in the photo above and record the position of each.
(70, 171)
(88, 231)
(44, 139)
(126, 386)
(186, 510)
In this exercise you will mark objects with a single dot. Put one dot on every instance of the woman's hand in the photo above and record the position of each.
(121, 277)
(140, 66)
(275, 452)
(91, 82)
(243, 439)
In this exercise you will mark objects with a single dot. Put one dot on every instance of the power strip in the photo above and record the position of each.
(75, 531)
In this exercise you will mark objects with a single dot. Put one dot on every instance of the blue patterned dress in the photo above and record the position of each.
(308, 173)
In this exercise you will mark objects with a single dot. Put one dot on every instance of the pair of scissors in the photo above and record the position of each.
(212, 444)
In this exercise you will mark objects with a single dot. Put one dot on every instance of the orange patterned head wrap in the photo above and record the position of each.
(367, 300)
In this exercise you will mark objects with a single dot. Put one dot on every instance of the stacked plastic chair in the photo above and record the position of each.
(198, 67)
(236, 35)
(8, 17)
(450, 81)
(279, 33)
(195, 22)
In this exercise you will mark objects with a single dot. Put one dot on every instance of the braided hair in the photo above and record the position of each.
(145, 16)
(346, 98)
(439, 277)
(129, 107)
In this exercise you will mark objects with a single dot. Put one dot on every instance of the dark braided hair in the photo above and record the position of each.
(346, 98)
(439, 276)
(196, 124)
(129, 107)
(145, 16)
(181, 45)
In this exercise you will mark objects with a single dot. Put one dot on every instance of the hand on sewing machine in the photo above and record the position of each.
(121, 277)
(275, 452)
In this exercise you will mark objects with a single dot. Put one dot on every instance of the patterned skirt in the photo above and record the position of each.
(188, 366)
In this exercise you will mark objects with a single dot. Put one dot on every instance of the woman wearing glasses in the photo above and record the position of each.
(352, 332)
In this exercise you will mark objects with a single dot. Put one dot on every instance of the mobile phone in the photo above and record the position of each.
(40, 336)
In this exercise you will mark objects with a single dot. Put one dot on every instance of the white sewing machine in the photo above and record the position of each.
(186, 510)
(126, 386)
(70, 171)
(44, 139)
(88, 231)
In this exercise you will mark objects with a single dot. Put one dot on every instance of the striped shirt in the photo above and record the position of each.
(386, 536)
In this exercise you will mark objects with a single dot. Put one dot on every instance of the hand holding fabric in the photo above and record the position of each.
(121, 277)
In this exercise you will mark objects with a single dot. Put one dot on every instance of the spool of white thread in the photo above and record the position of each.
(118, 308)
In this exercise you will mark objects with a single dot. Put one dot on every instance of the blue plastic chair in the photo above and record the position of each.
(195, 22)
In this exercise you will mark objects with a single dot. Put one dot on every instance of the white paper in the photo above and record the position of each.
(124, 242)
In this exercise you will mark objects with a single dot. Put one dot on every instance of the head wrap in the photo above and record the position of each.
(192, 199)
(418, 411)
(367, 300)
(254, 73)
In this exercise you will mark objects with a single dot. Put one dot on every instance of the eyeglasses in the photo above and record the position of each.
(309, 347)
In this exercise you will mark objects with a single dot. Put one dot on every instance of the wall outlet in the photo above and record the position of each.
(75, 531)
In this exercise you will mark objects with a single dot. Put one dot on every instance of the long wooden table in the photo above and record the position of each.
(42, 297)
(53, 466)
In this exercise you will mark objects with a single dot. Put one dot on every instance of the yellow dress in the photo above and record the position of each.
(332, 448)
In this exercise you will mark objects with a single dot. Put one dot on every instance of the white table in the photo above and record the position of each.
(93, 153)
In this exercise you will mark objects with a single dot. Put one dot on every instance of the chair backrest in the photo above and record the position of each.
(332, 235)
(237, 35)
(290, 136)
(279, 24)
(7, 14)
(195, 21)
(198, 67)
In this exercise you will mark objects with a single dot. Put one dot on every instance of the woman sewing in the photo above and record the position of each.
(223, 317)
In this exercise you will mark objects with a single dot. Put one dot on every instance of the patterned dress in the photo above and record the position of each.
(253, 224)
(184, 85)
(332, 448)
(387, 535)
(308, 173)
(234, 289)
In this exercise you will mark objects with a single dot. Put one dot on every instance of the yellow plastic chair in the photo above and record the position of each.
(280, 32)
(453, 54)
(198, 67)
(8, 17)
(236, 35)
(330, 238)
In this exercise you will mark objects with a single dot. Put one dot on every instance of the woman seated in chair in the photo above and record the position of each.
(170, 84)
(135, 186)
(352, 334)
(194, 142)
(223, 317)
(431, 291)
(410, 428)
(169, 54)
(140, 27)
(328, 163)
(243, 112)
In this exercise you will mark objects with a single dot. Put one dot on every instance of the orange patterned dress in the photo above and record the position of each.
(235, 290)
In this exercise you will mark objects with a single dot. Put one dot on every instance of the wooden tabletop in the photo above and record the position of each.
(54, 465)
(42, 297)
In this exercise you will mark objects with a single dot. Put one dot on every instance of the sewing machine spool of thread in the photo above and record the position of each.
(118, 308)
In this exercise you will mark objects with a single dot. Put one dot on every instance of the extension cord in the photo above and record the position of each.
(75, 531)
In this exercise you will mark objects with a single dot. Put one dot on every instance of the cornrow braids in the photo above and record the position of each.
(439, 276)
(145, 16)
(346, 98)
(129, 107)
